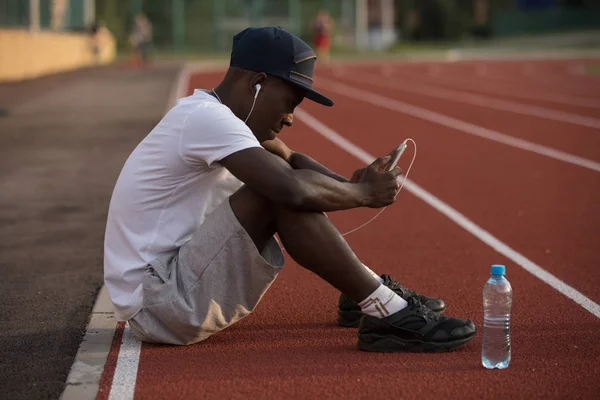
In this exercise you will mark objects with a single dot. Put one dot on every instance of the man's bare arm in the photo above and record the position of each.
(299, 160)
(302, 161)
(308, 190)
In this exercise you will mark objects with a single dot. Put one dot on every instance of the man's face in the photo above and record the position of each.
(274, 108)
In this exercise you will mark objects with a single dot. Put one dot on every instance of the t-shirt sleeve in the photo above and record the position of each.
(212, 133)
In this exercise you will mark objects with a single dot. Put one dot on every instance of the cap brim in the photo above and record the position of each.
(317, 97)
(312, 94)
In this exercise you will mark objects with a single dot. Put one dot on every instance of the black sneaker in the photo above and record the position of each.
(414, 329)
(349, 312)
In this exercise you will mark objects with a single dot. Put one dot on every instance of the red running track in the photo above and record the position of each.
(462, 76)
(546, 76)
(543, 208)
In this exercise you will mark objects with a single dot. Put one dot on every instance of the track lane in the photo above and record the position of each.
(290, 347)
(535, 197)
(524, 74)
(571, 138)
(568, 103)
(544, 208)
(512, 74)
(387, 81)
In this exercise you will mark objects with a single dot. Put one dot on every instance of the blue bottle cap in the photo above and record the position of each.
(498, 269)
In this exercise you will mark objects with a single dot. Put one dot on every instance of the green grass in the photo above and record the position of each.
(403, 49)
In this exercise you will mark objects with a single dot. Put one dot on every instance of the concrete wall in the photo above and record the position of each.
(26, 55)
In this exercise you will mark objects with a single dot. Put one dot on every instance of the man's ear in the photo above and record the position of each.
(258, 79)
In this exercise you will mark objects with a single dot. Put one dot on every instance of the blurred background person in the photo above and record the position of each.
(141, 40)
(100, 38)
(323, 31)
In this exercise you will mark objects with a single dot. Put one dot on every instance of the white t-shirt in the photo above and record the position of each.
(167, 187)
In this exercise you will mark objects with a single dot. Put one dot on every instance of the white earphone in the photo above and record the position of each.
(257, 87)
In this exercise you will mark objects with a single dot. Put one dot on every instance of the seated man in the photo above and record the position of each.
(190, 246)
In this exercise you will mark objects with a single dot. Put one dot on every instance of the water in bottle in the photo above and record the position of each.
(497, 302)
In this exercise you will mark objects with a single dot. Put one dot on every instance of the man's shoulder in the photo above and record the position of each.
(209, 130)
(201, 108)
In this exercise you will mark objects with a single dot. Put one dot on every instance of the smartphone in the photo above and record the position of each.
(396, 156)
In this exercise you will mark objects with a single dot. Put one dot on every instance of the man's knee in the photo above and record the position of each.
(247, 204)
(255, 213)
(254, 210)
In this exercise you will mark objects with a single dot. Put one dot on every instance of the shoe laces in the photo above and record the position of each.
(427, 312)
(397, 287)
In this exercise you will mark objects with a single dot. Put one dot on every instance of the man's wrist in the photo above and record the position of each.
(360, 193)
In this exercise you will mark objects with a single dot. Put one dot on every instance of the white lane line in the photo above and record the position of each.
(545, 80)
(431, 116)
(503, 89)
(123, 384)
(457, 217)
(83, 381)
(481, 100)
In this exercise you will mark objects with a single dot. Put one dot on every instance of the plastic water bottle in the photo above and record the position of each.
(497, 302)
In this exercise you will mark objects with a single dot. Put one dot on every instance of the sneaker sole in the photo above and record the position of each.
(351, 319)
(392, 344)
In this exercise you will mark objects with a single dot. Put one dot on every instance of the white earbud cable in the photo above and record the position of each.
(376, 215)
(401, 186)
(258, 87)
(398, 192)
(253, 102)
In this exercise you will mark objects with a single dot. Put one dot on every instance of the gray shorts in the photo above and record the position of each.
(213, 281)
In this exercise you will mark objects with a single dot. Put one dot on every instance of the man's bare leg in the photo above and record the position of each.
(309, 237)
(312, 240)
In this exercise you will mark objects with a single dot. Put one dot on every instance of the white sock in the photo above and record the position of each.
(379, 279)
(382, 302)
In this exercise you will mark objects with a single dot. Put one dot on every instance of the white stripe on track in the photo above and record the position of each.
(123, 384)
(456, 217)
(481, 101)
(506, 89)
(546, 79)
(431, 116)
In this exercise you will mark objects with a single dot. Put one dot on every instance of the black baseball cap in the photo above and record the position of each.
(276, 52)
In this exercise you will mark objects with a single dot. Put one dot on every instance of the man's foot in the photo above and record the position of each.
(414, 329)
(349, 312)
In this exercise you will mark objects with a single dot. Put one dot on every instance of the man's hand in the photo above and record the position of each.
(357, 175)
(380, 186)
(359, 172)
